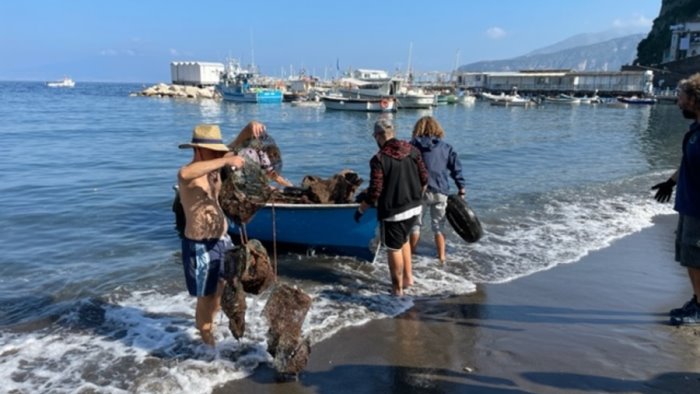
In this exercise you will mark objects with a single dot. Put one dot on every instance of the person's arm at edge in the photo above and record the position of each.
(376, 181)
(197, 169)
(254, 129)
(455, 167)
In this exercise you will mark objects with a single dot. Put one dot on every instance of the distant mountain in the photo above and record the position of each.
(575, 53)
(586, 39)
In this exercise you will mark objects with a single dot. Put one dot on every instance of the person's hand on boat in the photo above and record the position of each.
(664, 190)
(462, 193)
(360, 211)
(358, 214)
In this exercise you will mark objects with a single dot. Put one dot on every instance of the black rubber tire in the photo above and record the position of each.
(462, 219)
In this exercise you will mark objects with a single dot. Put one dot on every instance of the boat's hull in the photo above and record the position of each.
(361, 105)
(323, 228)
(558, 100)
(261, 96)
(637, 101)
(416, 101)
(513, 103)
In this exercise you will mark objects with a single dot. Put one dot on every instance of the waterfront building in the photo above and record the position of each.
(196, 73)
(548, 82)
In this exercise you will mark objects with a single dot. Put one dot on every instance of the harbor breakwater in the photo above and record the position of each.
(183, 91)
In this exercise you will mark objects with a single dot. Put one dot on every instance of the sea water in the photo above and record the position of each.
(92, 295)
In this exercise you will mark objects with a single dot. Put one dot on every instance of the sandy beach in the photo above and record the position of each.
(598, 325)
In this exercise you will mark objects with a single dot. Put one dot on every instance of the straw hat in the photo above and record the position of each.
(207, 136)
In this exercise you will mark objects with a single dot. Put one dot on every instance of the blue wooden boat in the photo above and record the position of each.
(240, 93)
(323, 228)
(242, 86)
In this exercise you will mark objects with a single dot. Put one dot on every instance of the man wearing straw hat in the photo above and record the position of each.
(205, 240)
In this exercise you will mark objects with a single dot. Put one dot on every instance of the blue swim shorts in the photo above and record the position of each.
(203, 262)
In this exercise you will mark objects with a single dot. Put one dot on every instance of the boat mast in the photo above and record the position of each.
(454, 70)
(252, 52)
(408, 68)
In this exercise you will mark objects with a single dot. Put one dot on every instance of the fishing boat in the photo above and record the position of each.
(65, 83)
(373, 84)
(321, 228)
(243, 86)
(340, 103)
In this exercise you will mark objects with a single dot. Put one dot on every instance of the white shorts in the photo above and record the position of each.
(436, 204)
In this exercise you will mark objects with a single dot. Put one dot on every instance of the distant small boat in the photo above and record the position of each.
(514, 102)
(385, 104)
(444, 99)
(65, 83)
(306, 103)
(466, 99)
(591, 100)
(637, 100)
(563, 99)
(411, 99)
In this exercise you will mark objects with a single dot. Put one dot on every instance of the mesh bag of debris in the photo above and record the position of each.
(285, 311)
(244, 191)
(262, 150)
(338, 189)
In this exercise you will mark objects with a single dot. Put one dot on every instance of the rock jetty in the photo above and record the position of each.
(181, 91)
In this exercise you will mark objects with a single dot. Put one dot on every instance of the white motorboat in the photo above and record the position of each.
(563, 99)
(384, 104)
(65, 83)
(514, 102)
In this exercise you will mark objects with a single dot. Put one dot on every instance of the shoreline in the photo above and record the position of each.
(597, 325)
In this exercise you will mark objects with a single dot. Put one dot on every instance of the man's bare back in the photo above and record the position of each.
(204, 217)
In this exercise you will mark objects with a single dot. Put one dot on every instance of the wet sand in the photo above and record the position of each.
(598, 325)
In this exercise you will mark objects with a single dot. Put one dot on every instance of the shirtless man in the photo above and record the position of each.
(205, 240)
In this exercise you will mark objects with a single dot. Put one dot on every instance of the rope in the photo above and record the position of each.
(243, 234)
(274, 242)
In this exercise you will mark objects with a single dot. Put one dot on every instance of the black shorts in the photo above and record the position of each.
(395, 234)
(688, 241)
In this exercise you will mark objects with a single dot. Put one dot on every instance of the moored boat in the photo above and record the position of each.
(563, 99)
(514, 102)
(384, 104)
(315, 103)
(323, 228)
(637, 100)
(240, 85)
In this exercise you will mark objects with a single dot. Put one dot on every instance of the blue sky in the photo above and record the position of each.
(135, 40)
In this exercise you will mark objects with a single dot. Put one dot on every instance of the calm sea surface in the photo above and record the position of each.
(92, 295)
